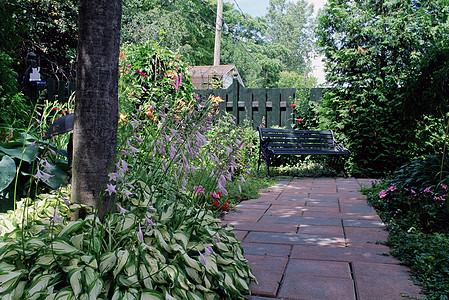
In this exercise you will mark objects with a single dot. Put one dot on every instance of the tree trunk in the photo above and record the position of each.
(96, 105)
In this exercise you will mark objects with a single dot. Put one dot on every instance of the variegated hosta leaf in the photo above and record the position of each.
(9, 279)
(122, 257)
(193, 296)
(72, 226)
(108, 261)
(62, 247)
(39, 285)
(166, 215)
(151, 295)
(75, 278)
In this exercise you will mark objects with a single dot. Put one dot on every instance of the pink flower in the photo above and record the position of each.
(299, 120)
(382, 194)
(198, 189)
(216, 195)
(391, 188)
(293, 105)
(427, 190)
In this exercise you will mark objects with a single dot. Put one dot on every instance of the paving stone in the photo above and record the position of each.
(244, 205)
(321, 268)
(300, 287)
(320, 221)
(244, 215)
(281, 219)
(295, 238)
(266, 249)
(322, 209)
(363, 223)
(321, 215)
(314, 203)
(260, 226)
(347, 254)
(357, 207)
(268, 271)
(361, 216)
(393, 280)
(317, 229)
(285, 210)
(365, 237)
(240, 234)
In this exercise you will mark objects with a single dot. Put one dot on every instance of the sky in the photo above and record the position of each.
(258, 8)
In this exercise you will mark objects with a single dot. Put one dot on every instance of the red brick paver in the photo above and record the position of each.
(318, 239)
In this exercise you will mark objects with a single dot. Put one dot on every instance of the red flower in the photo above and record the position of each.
(299, 120)
(216, 203)
(293, 105)
(224, 207)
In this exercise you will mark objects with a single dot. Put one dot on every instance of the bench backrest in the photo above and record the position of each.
(302, 139)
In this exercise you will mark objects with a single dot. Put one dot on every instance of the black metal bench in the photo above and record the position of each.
(59, 126)
(275, 141)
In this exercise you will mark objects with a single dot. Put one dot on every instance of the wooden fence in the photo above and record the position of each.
(56, 90)
(269, 105)
(273, 105)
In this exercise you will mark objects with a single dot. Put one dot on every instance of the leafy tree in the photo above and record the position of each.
(96, 107)
(294, 80)
(374, 51)
(185, 27)
(291, 25)
(45, 27)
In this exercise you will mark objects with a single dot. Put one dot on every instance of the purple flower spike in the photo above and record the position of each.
(57, 218)
(122, 210)
(140, 234)
(202, 258)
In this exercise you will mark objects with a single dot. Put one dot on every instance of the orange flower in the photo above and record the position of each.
(122, 55)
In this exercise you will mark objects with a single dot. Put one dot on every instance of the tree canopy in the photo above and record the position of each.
(261, 48)
(381, 57)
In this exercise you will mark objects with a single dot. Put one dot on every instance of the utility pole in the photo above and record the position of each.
(218, 28)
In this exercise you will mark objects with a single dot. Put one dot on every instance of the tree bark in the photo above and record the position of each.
(96, 105)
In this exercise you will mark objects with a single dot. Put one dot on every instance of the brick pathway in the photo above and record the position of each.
(317, 239)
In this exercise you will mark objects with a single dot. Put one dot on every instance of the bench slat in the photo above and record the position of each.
(275, 141)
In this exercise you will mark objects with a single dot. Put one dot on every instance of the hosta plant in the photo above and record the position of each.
(172, 252)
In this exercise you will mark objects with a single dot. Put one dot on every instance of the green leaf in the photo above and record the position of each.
(75, 281)
(58, 179)
(191, 262)
(150, 295)
(193, 296)
(94, 289)
(72, 226)
(27, 154)
(107, 262)
(166, 215)
(7, 172)
(122, 256)
(63, 247)
(9, 279)
(39, 284)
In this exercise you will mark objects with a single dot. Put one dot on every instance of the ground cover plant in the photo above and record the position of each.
(414, 205)
(172, 177)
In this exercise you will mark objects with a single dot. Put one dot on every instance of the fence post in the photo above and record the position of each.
(235, 97)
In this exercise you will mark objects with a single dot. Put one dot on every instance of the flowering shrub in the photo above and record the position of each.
(426, 209)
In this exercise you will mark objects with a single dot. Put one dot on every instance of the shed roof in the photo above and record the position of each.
(203, 76)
